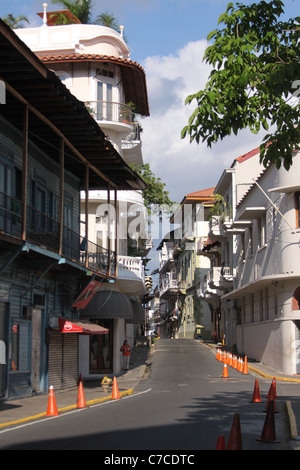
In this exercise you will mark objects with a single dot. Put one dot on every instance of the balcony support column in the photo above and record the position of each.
(116, 232)
(108, 228)
(25, 170)
(61, 194)
(87, 183)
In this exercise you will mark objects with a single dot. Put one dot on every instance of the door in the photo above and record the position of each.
(104, 102)
(101, 350)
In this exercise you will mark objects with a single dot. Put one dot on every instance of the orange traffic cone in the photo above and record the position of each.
(225, 371)
(245, 367)
(52, 408)
(115, 392)
(256, 393)
(268, 433)
(271, 398)
(274, 387)
(218, 354)
(235, 436)
(234, 362)
(81, 403)
(221, 443)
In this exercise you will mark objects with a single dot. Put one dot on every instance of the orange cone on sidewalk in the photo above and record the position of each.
(256, 393)
(245, 367)
(225, 371)
(81, 403)
(115, 392)
(234, 362)
(235, 437)
(221, 443)
(52, 408)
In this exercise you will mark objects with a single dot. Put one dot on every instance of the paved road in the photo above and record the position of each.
(183, 405)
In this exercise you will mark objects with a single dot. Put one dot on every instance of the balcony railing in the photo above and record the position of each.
(45, 231)
(109, 111)
(133, 264)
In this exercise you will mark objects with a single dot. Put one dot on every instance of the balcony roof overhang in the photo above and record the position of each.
(249, 213)
(253, 286)
(55, 115)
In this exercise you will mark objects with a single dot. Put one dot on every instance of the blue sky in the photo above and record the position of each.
(168, 38)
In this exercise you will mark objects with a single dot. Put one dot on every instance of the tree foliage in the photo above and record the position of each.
(154, 194)
(80, 8)
(15, 22)
(254, 82)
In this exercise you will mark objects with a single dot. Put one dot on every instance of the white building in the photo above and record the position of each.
(259, 277)
(94, 64)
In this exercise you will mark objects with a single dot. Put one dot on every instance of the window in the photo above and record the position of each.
(104, 101)
(261, 229)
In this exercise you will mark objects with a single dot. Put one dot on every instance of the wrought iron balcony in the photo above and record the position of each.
(45, 232)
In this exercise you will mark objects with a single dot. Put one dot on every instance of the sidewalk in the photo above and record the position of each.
(14, 412)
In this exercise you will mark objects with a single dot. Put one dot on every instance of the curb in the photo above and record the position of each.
(65, 409)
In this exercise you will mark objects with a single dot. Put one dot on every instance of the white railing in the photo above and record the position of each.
(109, 111)
(132, 263)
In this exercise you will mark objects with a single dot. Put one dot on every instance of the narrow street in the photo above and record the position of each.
(184, 404)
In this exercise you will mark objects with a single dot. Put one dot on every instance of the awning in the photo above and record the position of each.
(138, 313)
(84, 327)
(108, 304)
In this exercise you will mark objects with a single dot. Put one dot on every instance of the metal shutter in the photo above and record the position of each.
(70, 360)
(63, 360)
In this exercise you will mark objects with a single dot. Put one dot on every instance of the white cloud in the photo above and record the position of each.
(183, 166)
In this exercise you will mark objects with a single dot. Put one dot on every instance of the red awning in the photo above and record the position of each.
(69, 325)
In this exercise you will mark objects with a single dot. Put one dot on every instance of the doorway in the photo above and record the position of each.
(101, 349)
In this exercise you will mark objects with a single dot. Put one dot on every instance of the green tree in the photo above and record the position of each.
(154, 194)
(80, 8)
(15, 22)
(254, 81)
(106, 19)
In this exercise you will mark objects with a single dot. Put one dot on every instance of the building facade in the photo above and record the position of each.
(51, 149)
(94, 64)
(183, 312)
(256, 269)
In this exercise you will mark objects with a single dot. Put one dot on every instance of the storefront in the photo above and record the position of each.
(110, 309)
(63, 340)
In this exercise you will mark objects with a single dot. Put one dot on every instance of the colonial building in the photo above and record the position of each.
(94, 64)
(51, 149)
(184, 313)
(256, 273)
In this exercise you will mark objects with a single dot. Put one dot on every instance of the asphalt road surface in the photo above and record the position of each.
(182, 406)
